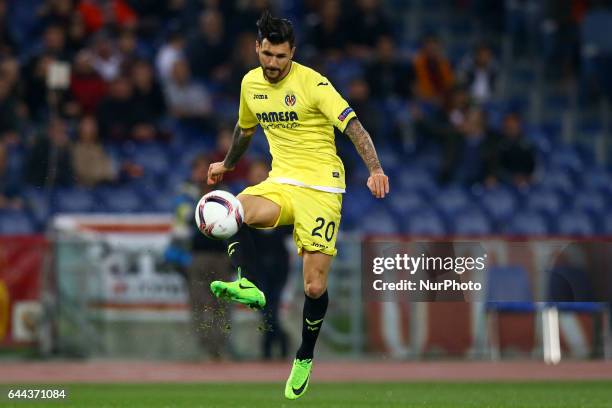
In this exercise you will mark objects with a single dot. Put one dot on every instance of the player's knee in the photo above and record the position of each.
(314, 289)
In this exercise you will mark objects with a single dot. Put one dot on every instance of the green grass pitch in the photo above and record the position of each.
(592, 394)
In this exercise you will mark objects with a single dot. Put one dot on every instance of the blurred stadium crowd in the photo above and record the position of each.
(152, 84)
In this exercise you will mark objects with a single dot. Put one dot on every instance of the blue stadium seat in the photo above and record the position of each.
(379, 221)
(403, 202)
(509, 289)
(355, 206)
(597, 178)
(591, 201)
(568, 158)
(39, 204)
(414, 178)
(606, 222)
(596, 30)
(575, 223)
(390, 160)
(545, 200)
(558, 179)
(452, 199)
(471, 222)
(152, 158)
(342, 72)
(120, 200)
(500, 202)
(527, 223)
(427, 161)
(540, 139)
(15, 222)
(579, 307)
(162, 201)
(74, 201)
(426, 222)
(186, 156)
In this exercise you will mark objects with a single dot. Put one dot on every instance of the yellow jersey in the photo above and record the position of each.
(298, 115)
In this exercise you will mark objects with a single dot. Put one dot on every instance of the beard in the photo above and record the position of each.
(272, 72)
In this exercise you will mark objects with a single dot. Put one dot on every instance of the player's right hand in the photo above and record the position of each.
(215, 172)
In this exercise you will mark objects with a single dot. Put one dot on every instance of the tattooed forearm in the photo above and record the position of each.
(242, 139)
(363, 143)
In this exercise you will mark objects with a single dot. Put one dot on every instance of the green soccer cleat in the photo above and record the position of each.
(241, 291)
(298, 380)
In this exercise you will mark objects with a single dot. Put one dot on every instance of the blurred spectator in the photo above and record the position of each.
(86, 86)
(515, 156)
(202, 260)
(272, 270)
(106, 59)
(434, 76)
(152, 12)
(7, 42)
(358, 97)
(54, 42)
(245, 14)
(91, 163)
(9, 183)
(386, 76)
(169, 53)
(148, 97)
(127, 48)
(35, 70)
(470, 156)
(187, 100)
(76, 38)
(124, 114)
(225, 138)
(116, 114)
(9, 71)
(561, 39)
(366, 23)
(244, 60)
(56, 12)
(479, 73)
(34, 77)
(208, 51)
(8, 109)
(325, 31)
(100, 13)
(49, 163)
(441, 126)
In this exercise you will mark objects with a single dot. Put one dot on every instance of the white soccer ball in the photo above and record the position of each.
(219, 214)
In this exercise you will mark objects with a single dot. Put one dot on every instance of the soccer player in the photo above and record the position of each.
(297, 109)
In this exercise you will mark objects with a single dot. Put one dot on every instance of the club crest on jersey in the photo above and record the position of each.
(290, 99)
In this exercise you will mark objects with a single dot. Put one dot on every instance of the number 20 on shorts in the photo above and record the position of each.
(329, 230)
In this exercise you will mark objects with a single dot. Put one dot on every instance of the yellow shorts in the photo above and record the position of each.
(315, 215)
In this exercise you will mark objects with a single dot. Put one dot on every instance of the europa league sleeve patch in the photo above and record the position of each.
(345, 113)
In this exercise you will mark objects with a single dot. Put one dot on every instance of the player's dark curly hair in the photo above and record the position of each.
(276, 30)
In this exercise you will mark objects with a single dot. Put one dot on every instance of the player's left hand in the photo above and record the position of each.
(378, 183)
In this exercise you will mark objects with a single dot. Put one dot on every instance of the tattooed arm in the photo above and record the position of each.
(378, 182)
(240, 143)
